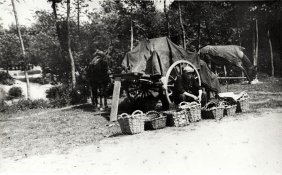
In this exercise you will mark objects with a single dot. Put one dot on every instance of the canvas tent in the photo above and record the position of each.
(155, 56)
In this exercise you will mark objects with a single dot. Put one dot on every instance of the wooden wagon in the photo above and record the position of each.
(152, 68)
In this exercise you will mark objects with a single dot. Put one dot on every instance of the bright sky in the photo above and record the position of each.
(26, 10)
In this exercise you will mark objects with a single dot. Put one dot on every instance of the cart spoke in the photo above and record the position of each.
(150, 94)
(171, 77)
(137, 95)
(169, 93)
(176, 71)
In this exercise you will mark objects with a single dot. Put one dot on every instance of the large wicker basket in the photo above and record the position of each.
(243, 103)
(154, 120)
(193, 109)
(177, 118)
(133, 124)
(214, 112)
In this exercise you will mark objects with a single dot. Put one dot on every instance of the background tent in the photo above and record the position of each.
(155, 56)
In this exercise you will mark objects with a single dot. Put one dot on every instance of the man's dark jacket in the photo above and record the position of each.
(186, 82)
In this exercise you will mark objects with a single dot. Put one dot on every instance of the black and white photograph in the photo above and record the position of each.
(149, 87)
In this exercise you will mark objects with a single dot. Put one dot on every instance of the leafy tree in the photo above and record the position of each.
(63, 29)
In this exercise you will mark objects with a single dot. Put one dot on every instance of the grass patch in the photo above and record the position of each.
(272, 103)
(267, 84)
(50, 132)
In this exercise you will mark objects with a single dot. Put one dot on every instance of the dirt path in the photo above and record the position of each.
(248, 144)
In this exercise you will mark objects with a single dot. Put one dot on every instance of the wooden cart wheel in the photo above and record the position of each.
(141, 89)
(174, 70)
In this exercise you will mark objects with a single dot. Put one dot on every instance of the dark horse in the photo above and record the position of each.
(229, 55)
(98, 78)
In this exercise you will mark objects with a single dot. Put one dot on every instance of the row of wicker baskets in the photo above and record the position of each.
(217, 110)
(183, 115)
(138, 121)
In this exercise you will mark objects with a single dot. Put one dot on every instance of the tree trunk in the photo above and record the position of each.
(23, 49)
(210, 39)
(78, 18)
(239, 35)
(182, 26)
(199, 34)
(73, 79)
(131, 31)
(256, 53)
(167, 19)
(254, 43)
(271, 53)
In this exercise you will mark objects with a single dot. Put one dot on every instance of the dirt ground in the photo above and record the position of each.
(246, 144)
(82, 141)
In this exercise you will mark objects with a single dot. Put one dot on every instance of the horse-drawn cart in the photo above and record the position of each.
(152, 67)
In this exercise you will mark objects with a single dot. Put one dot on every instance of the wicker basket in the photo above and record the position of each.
(193, 109)
(154, 120)
(243, 103)
(133, 124)
(230, 110)
(215, 112)
(177, 118)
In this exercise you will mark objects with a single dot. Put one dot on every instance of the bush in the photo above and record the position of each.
(6, 79)
(23, 105)
(58, 96)
(2, 94)
(15, 92)
(79, 94)
(40, 104)
(3, 106)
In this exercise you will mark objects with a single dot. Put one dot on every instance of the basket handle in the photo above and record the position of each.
(123, 115)
(245, 95)
(183, 105)
(222, 103)
(194, 103)
(152, 112)
(209, 103)
(225, 103)
(136, 113)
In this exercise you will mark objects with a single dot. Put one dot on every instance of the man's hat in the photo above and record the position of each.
(188, 69)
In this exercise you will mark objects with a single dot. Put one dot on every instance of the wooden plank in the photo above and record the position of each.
(231, 78)
(115, 99)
